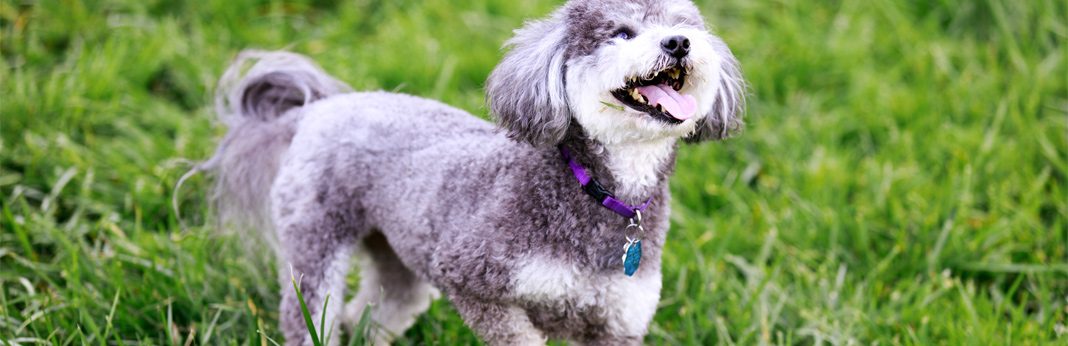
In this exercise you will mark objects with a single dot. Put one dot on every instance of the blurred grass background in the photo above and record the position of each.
(903, 178)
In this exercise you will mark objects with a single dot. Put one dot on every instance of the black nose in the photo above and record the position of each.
(676, 46)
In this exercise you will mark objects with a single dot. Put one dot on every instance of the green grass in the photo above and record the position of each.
(903, 178)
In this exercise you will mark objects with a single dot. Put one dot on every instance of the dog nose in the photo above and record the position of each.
(676, 46)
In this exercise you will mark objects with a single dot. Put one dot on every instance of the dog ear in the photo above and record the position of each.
(526, 92)
(725, 118)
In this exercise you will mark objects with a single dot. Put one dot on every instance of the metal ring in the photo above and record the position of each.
(638, 235)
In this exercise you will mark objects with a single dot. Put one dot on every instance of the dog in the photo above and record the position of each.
(550, 225)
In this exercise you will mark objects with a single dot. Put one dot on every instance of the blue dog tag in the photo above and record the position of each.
(632, 257)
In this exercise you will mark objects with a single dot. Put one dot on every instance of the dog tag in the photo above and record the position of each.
(632, 257)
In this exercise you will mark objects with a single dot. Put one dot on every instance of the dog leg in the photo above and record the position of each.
(498, 324)
(319, 278)
(612, 341)
(395, 295)
(317, 250)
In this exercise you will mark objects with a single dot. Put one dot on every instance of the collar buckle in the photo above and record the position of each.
(596, 190)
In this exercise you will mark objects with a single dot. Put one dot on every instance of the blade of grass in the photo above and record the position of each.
(111, 316)
(322, 320)
(304, 312)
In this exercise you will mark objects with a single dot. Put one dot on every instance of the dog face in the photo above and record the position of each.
(623, 70)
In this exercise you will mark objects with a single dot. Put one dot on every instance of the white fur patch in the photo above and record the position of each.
(635, 165)
(629, 303)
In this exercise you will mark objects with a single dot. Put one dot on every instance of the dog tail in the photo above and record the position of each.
(256, 99)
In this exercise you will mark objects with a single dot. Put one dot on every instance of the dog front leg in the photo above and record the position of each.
(498, 324)
(611, 340)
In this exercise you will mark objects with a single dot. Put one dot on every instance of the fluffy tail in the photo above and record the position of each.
(256, 104)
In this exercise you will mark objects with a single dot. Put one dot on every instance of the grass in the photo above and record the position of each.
(903, 178)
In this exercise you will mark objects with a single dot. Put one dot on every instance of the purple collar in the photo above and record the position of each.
(598, 192)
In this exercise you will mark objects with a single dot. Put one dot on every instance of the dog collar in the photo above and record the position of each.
(597, 191)
(633, 233)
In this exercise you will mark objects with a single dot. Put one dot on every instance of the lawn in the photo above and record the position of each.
(902, 179)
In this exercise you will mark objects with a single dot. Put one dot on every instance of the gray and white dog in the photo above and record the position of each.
(434, 200)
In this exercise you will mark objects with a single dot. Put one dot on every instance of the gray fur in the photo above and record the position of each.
(254, 105)
(592, 22)
(432, 198)
(526, 91)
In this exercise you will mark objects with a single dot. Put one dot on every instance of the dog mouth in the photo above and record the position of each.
(658, 95)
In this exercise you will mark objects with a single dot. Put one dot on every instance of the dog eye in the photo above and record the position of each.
(624, 33)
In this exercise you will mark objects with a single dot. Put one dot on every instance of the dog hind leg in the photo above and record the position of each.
(395, 295)
(317, 236)
(319, 266)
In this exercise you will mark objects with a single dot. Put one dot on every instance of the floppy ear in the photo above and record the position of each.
(526, 92)
(725, 118)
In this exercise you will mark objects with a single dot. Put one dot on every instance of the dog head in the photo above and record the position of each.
(623, 70)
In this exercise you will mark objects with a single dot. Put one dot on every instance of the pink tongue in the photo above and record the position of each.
(677, 105)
